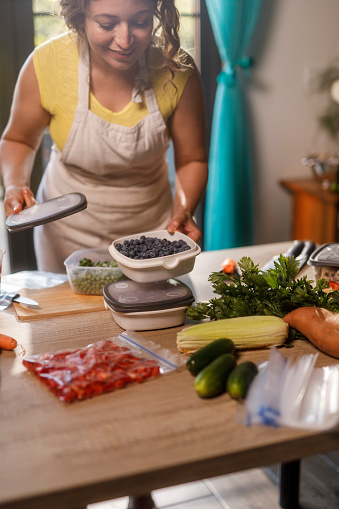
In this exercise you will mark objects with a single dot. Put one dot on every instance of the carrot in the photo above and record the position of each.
(320, 326)
(7, 343)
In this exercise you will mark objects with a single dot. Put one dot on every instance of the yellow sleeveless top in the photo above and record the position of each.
(56, 67)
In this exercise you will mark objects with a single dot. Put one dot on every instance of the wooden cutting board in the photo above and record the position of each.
(59, 300)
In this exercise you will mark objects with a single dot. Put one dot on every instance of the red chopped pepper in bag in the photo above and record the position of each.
(86, 372)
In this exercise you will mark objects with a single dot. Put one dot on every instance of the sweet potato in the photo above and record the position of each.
(320, 326)
(7, 343)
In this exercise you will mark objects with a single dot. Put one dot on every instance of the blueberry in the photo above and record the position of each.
(151, 247)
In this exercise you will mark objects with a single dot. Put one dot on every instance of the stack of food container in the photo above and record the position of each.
(151, 297)
(139, 282)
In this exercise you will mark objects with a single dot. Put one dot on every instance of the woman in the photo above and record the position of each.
(113, 96)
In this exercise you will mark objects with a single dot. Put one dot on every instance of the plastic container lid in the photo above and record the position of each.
(129, 296)
(326, 254)
(46, 212)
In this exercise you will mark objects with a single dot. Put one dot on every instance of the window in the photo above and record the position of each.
(45, 24)
(190, 27)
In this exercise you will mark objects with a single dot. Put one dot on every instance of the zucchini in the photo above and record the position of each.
(211, 381)
(205, 355)
(240, 379)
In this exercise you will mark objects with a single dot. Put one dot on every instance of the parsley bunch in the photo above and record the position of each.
(275, 292)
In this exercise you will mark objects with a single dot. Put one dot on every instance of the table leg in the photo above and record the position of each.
(289, 485)
(141, 502)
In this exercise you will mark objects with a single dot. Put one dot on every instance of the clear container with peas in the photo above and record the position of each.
(89, 270)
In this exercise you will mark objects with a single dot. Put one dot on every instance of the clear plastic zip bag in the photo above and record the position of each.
(167, 360)
(294, 394)
(101, 367)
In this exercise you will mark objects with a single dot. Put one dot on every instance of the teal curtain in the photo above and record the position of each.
(229, 201)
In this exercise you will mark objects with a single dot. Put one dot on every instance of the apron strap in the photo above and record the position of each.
(142, 85)
(84, 79)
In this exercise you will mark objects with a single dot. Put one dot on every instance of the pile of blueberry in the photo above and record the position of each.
(151, 247)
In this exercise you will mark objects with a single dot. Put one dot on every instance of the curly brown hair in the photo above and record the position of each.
(167, 28)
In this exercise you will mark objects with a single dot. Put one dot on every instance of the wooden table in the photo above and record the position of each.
(314, 210)
(160, 433)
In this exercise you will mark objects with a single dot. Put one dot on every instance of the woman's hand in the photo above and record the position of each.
(17, 198)
(184, 223)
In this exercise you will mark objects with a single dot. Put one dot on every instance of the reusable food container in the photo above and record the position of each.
(91, 280)
(325, 262)
(148, 306)
(161, 267)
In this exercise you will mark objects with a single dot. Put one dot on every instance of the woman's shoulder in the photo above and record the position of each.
(56, 64)
(56, 57)
(63, 45)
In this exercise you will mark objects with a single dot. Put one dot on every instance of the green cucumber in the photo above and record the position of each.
(205, 355)
(240, 379)
(211, 381)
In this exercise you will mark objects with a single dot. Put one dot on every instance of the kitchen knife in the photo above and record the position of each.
(7, 298)
(300, 250)
(306, 252)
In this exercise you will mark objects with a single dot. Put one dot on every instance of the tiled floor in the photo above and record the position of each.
(252, 489)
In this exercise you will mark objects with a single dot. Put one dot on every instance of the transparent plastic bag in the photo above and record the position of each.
(33, 279)
(167, 360)
(100, 367)
(294, 393)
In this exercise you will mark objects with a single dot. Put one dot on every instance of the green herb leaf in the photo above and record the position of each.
(275, 292)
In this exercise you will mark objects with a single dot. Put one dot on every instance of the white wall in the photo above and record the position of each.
(293, 36)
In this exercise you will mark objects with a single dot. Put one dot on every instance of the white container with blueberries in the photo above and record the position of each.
(151, 298)
(155, 256)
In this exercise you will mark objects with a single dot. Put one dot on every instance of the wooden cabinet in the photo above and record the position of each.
(315, 211)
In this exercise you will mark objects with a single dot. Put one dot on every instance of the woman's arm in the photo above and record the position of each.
(21, 140)
(188, 131)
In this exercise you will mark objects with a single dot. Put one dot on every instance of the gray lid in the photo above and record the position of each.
(46, 212)
(129, 296)
(326, 254)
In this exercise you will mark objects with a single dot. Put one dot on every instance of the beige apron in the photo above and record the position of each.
(121, 170)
